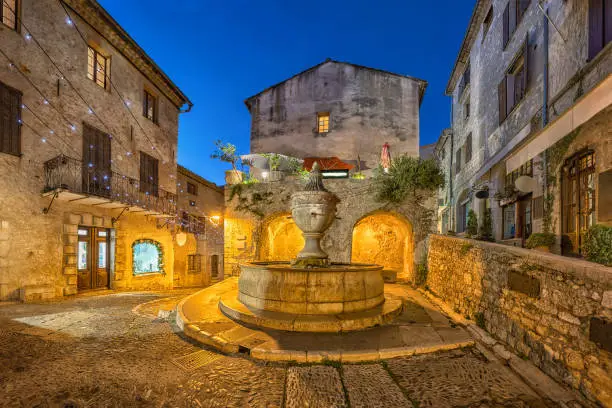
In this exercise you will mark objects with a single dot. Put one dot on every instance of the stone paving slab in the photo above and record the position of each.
(421, 328)
(314, 387)
(370, 386)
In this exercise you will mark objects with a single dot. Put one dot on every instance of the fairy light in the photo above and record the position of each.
(69, 21)
(28, 36)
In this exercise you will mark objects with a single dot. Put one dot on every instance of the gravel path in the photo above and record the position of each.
(112, 351)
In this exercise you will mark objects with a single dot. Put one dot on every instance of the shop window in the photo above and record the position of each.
(509, 222)
(147, 257)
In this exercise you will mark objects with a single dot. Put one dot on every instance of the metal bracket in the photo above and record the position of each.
(115, 219)
(46, 209)
(165, 224)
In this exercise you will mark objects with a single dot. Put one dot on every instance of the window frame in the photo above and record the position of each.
(486, 25)
(512, 15)
(149, 166)
(150, 100)
(192, 188)
(325, 127)
(160, 261)
(194, 263)
(94, 76)
(468, 147)
(599, 30)
(16, 16)
(510, 76)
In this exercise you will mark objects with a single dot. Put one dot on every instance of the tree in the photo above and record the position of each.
(226, 153)
(407, 175)
(486, 229)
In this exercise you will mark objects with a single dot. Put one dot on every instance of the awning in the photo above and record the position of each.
(327, 163)
(596, 100)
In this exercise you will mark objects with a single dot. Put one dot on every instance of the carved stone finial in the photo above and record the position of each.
(315, 179)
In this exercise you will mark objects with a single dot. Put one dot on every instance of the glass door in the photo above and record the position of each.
(93, 255)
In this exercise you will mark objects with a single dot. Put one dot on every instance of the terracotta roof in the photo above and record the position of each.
(422, 83)
(327, 163)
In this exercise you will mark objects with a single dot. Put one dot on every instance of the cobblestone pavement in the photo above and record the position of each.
(107, 351)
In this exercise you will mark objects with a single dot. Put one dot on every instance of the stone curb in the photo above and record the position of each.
(526, 370)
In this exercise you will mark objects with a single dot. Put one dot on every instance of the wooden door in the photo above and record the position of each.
(214, 266)
(96, 162)
(93, 256)
(524, 219)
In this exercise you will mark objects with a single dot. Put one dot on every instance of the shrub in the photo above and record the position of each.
(540, 239)
(226, 153)
(485, 232)
(471, 229)
(598, 244)
(406, 176)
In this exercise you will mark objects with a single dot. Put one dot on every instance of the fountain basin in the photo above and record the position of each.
(336, 289)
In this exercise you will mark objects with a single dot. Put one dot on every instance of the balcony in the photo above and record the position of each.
(68, 179)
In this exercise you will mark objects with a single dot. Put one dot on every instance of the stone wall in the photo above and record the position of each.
(367, 108)
(246, 230)
(553, 310)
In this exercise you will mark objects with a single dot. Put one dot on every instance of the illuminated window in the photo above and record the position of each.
(97, 67)
(147, 257)
(149, 107)
(9, 14)
(323, 122)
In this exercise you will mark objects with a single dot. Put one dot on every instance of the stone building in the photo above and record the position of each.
(337, 109)
(200, 207)
(531, 92)
(88, 142)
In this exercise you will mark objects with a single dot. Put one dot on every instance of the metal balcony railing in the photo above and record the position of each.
(66, 173)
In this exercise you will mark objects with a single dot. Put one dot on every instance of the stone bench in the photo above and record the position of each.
(31, 293)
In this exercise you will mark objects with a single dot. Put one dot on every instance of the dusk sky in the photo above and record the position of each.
(221, 52)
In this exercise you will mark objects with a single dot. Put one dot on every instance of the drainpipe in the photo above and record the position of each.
(545, 96)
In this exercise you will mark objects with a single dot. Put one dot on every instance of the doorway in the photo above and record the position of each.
(93, 254)
(525, 226)
(214, 266)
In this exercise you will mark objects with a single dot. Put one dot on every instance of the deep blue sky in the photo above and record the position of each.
(221, 52)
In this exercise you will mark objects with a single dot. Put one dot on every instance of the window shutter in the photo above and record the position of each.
(512, 17)
(10, 113)
(501, 94)
(458, 161)
(468, 148)
(510, 92)
(506, 19)
(525, 76)
(596, 26)
(608, 22)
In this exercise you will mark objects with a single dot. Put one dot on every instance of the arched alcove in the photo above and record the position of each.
(386, 239)
(281, 239)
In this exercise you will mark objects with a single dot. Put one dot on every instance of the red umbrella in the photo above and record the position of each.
(385, 157)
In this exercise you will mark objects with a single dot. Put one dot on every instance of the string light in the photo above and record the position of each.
(69, 21)
(28, 36)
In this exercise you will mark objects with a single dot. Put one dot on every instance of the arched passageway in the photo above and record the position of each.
(281, 239)
(385, 239)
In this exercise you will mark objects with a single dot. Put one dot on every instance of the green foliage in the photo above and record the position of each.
(540, 239)
(274, 160)
(406, 176)
(421, 274)
(358, 176)
(471, 229)
(598, 244)
(226, 153)
(547, 216)
(485, 231)
(250, 180)
(295, 165)
(479, 319)
(465, 248)
(253, 203)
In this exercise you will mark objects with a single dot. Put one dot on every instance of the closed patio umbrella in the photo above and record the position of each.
(385, 157)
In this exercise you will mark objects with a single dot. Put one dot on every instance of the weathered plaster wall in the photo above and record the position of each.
(245, 231)
(542, 305)
(367, 108)
(32, 247)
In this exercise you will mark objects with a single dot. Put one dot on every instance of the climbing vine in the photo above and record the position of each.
(250, 202)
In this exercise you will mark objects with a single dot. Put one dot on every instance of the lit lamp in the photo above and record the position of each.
(181, 238)
(264, 174)
(215, 219)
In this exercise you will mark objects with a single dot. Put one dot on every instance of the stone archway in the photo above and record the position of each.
(385, 239)
(280, 239)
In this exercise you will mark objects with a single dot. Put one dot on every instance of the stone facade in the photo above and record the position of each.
(38, 250)
(490, 145)
(258, 226)
(367, 108)
(198, 201)
(552, 310)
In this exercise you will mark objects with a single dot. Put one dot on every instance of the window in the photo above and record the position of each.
(486, 24)
(466, 111)
(192, 203)
(97, 67)
(600, 25)
(323, 122)
(509, 224)
(513, 13)
(194, 263)
(192, 189)
(149, 174)
(513, 87)
(468, 148)
(10, 120)
(458, 161)
(9, 14)
(525, 170)
(149, 107)
(147, 257)
(465, 79)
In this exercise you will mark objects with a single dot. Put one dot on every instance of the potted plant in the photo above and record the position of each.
(471, 230)
(227, 153)
(274, 161)
(598, 244)
(541, 241)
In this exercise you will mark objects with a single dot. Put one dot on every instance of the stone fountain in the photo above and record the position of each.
(310, 293)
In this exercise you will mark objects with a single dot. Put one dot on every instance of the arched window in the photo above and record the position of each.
(147, 257)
